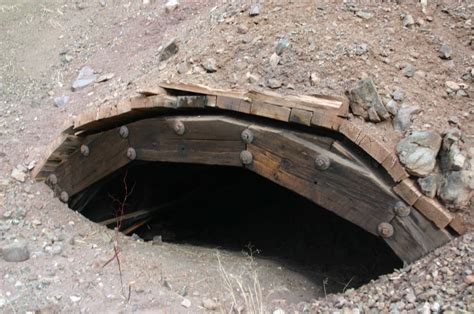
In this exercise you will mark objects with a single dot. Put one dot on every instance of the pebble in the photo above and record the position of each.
(282, 45)
(392, 107)
(210, 65)
(105, 77)
(242, 29)
(186, 303)
(361, 49)
(169, 49)
(209, 304)
(445, 51)
(409, 70)
(74, 298)
(279, 311)
(364, 15)
(452, 85)
(254, 9)
(85, 77)
(171, 5)
(408, 20)
(274, 60)
(15, 252)
(18, 174)
(398, 95)
(274, 83)
(61, 101)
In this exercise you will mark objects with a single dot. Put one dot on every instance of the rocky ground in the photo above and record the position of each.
(420, 61)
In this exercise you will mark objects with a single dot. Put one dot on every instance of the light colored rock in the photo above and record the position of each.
(452, 85)
(274, 60)
(209, 304)
(418, 151)
(186, 303)
(398, 95)
(254, 9)
(61, 101)
(429, 185)
(210, 65)
(105, 77)
(409, 70)
(171, 5)
(365, 96)
(403, 118)
(75, 298)
(274, 83)
(392, 107)
(445, 51)
(455, 191)
(85, 77)
(282, 45)
(408, 20)
(364, 14)
(361, 49)
(279, 311)
(18, 175)
(15, 252)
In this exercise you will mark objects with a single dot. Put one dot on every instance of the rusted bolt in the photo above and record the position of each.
(52, 179)
(85, 150)
(123, 131)
(247, 136)
(64, 197)
(131, 153)
(322, 162)
(401, 209)
(246, 157)
(385, 230)
(179, 128)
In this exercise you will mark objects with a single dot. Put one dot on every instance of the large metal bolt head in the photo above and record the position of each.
(52, 179)
(246, 157)
(322, 162)
(401, 209)
(85, 150)
(64, 197)
(385, 230)
(179, 128)
(247, 136)
(123, 131)
(131, 153)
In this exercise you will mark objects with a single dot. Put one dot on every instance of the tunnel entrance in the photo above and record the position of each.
(233, 209)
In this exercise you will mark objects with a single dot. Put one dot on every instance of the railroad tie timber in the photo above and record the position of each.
(303, 143)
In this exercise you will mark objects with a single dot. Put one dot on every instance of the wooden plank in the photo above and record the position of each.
(340, 149)
(349, 190)
(394, 168)
(301, 116)
(211, 101)
(458, 225)
(107, 154)
(432, 210)
(181, 87)
(270, 111)
(375, 149)
(194, 101)
(351, 131)
(56, 152)
(414, 237)
(408, 191)
(151, 91)
(233, 104)
(328, 121)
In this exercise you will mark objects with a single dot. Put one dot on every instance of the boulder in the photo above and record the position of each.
(403, 117)
(418, 151)
(363, 97)
(455, 190)
(429, 185)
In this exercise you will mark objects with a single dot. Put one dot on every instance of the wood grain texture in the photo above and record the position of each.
(433, 210)
(301, 116)
(458, 225)
(266, 110)
(233, 104)
(107, 154)
(408, 191)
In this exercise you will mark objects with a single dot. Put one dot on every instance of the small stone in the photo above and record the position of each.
(18, 175)
(403, 118)
(314, 79)
(392, 107)
(252, 78)
(364, 15)
(365, 96)
(61, 101)
(398, 95)
(453, 119)
(452, 85)
(186, 303)
(15, 252)
(445, 51)
(410, 297)
(210, 65)
(408, 20)
(455, 190)
(75, 298)
(182, 68)
(274, 60)
(469, 280)
(282, 45)
(409, 70)
(169, 49)
(462, 93)
(254, 9)
(279, 311)
(85, 77)
(429, 185)
(171, 5)
(361, 49)
(274, 83)
(105, 77)
(242, 29)
(209, 304)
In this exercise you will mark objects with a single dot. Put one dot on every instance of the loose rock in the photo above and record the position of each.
(398, 95)
(171, 5)
(403, 118)
(365, 96)
(61, 101)
(454, 190)
(282, 45)
(18, 174)
(186, 303)
(209, 304)
(15, 252)
(409, 70)
(361, 49)
(169, 50)
(85, 77)
(392, 107)
(274, 60)
(408, 20)
(274, 83)
(254, 9)
(429, 185)
(210, 65)
(418, 151)
(445, 51)
(364, 15)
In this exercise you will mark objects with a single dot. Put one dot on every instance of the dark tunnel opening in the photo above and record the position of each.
(237, 210)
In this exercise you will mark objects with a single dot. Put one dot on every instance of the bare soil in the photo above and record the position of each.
(45, 43)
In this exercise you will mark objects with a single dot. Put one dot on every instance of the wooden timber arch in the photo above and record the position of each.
(302, 143)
